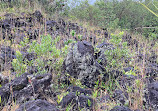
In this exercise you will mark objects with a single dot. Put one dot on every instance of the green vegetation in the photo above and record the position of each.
(18, 64)
(46, 50)
(111, 15)
(116, 55)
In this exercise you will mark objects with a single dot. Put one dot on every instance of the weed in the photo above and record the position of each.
(73, 33)
(60, 97)
(18, 64)
(119, 53)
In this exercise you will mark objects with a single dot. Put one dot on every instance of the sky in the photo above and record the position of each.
(92, 1)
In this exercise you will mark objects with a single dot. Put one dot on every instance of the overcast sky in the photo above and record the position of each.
(90, 1)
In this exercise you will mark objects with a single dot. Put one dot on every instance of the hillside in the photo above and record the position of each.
(58, 63)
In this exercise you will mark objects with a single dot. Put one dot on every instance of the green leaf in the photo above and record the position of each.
(89, 103)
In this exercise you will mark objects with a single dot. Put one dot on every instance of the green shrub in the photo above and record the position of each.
(119, 53)
(18, 64)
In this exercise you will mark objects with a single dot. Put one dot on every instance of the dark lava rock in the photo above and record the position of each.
(39, 85)
(69, 98)
(120, 108)
(80, 63)
(7, 50)
(18, 83)
(37, 105)
(39, 17)
(152, 71)
(151, 95)
(25, 88)
(6, 53)
(120, 97)
(78, 97)
(78, 89)
(4, 97)
(3, 80)
(30, 56)
(85, 47)
(79, 101)
(6, 56)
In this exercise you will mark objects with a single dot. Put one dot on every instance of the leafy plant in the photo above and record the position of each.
(89, 103)
(18, 64)
(68, 41)
(120, 51)
(79, 37)
(131, 72)
(75, 82)
(60, 97)
(73, 33)
(95, 94)
(25, 42)
(45, 50)
(68, 108)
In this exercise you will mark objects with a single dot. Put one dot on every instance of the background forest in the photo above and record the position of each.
(111, 14)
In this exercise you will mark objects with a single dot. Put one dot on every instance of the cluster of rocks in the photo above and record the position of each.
(82, 62)
(31, 25)
(25, 88)
(33, 93)
(7, 54)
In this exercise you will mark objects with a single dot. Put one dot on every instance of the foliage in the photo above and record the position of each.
(59, 7)
(73, 33)
(120, 51)
(112, 14)
(46, 49)
(18, 64)
(131, 72)
(89, 103)
(47, 54)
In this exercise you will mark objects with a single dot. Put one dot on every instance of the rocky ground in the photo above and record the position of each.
(33, 91)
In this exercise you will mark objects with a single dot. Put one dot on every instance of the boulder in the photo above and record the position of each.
(25, 88)
(81, 90)
(38, 16)
(80, 63)
(120, 108)
(151, 96)
(152, 71)
(37, 105)
(78, 97)
(3, 79)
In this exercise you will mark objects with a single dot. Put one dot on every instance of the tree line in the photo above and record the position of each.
(112, 14)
